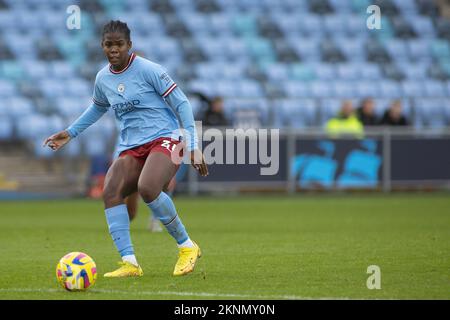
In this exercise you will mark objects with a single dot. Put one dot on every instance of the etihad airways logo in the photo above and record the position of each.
(124, 107)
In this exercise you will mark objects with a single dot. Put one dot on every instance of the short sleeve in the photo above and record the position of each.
(99, 97)
(158, 77)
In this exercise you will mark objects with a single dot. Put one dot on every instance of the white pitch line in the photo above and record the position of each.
(182, 294)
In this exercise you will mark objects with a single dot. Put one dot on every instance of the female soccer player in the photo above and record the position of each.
(144, 99)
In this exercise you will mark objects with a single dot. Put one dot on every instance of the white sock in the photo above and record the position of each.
(131, 259)
(187, 244)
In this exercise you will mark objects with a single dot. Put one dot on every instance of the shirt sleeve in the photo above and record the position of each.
(98, 97)
(179, 102)
(88, 118)
(158, 77)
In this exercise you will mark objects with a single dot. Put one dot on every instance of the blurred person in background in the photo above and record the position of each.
(345, 123)
(214, 115)
(366, 112)
(211, 113)
(394, 115)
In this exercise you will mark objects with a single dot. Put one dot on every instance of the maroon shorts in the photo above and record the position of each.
(140, 153)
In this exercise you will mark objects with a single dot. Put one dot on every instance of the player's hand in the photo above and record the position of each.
(57, 140)
(198, 162)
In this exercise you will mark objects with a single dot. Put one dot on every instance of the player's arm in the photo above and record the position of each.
(179, 102)
(88, 118)
(173, 95)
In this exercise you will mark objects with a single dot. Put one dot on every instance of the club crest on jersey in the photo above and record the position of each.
(121, 88)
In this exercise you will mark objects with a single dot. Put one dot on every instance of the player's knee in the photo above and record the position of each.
(149, 191)
(111, 195)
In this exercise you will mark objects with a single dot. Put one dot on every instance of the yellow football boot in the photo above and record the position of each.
(187, 257)
(126, 270)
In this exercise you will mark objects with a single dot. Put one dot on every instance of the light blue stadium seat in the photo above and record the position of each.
(11, 70)
(352, 48)
(414, 71)
(412, 88)
(22, 46)
(260, 47)
(244, 25)
(226, 88)
(307, 48)
(8, 20)
(370, 71)
(288, 23)
(19, 106)
(297, 89)
(407, 7)
(61, 70)
(343, 89)
(94, 145)
(196, 23)
(341, 6)
(234, 70)
(360, 6)
(422, 25)
(334, 24)
(325, 71)
(249, 88)
(220, 23)
(277, 72)
(72, 149)
(356, 24)
(52, 88)
(430, 113)
(212, 47)
(32, 125)
(247, 112)
(72, 107)
(6, 127)
(397, 49)
(140, 5)
(207, 71)
(366, 88)
(419, 48)
(389, 89)
(440, 49)
(7, 88)
(302, 71)
(321, 89)
(434, 88)
(311, 24)
(295, 113)
(348, 71)
(36, 69)
(202, 86)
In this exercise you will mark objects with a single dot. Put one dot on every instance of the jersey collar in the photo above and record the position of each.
(130, 60)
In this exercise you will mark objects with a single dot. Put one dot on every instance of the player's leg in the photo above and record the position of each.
(154, 225)
(156, 174)
(132, 204)
(121, 181)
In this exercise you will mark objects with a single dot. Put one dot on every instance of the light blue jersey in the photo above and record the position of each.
(145, 101)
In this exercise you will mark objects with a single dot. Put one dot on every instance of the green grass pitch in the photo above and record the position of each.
(272, 247)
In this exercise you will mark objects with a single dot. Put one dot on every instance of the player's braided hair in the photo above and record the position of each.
(116, 26)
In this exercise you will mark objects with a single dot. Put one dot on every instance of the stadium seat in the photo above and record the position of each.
(434, 88)
(6, 127)
(295, 113)
(412, 88)
(430, 113)
(296, 89)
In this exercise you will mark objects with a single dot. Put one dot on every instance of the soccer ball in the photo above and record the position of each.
(76, 271)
